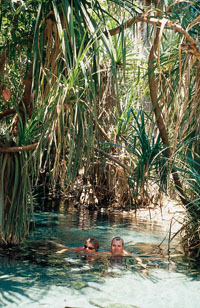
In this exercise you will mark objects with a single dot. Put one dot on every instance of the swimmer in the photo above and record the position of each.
(91, 246)
(117, 247)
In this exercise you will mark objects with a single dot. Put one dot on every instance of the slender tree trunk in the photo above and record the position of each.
(160, 122)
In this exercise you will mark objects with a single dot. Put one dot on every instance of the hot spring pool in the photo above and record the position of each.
(36, 276)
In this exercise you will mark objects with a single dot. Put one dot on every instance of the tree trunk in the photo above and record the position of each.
(160, 122)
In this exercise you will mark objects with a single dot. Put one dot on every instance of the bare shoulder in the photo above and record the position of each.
(127, 253)
(104, 253)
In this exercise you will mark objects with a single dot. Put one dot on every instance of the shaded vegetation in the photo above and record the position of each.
(100, 98)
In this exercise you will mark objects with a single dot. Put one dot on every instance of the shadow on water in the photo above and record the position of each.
(30, 273)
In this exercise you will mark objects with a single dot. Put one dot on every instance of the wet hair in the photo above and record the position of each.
(94, 242)
(118, 238)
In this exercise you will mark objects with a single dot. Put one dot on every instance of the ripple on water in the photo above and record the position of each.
(38, 276)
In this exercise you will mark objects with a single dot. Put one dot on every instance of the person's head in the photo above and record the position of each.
(117, 246)
(91, 245)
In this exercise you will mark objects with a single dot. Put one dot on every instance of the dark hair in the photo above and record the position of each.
(118, 238)
(94, 242)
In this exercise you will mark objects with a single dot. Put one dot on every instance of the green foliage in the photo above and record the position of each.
(185, 13)
(189, 167)
(85, 81)
(145, 149)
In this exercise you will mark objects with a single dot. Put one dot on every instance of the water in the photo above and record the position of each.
(36, 276)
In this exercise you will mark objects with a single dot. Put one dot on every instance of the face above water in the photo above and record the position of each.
(89, 248)
(117, 247)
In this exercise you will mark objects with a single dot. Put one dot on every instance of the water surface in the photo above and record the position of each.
(36, 276)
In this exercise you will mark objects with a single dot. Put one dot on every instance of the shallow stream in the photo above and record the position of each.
(37, 276)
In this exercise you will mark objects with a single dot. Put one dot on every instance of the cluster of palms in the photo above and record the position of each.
(107, 84)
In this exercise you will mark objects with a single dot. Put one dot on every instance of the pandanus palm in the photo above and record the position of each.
(55, 119)
(63, 113)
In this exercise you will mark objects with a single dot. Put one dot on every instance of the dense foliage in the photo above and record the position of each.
(103, 90)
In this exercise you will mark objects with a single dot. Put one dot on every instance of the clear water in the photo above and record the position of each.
(36, 276)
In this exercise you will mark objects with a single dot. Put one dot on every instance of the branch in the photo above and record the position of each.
(158, 22)
(168, 10)
(19, 149)
(117, 161)
(102, 131)
(160, 122)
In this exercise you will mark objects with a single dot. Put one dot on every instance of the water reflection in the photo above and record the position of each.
(36, 275)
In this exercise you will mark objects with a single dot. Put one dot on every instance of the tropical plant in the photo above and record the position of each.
(76, 75)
